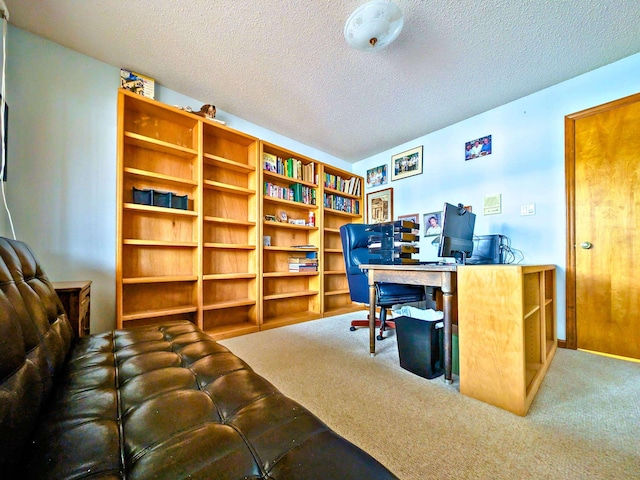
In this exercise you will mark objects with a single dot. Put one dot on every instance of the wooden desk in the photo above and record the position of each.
(441, 276)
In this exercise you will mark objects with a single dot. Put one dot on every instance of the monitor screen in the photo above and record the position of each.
(456, 237)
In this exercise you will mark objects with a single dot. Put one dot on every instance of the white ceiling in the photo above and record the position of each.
(284, 64)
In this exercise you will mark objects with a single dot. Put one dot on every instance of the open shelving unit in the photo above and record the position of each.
(157, 251)
(230, 287)
(342, 204)
(288, 297)
(507, 332)
(207, 262)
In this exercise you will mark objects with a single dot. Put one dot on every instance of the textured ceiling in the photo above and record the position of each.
(284, 64)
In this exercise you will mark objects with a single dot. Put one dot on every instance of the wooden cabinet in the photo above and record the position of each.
(193, 211)
(507, 332)
(76, 300)
(342, 204)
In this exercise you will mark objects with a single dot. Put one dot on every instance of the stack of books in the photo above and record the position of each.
(304, 263)
(393, 243)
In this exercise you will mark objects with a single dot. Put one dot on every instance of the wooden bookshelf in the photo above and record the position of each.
(208, 263)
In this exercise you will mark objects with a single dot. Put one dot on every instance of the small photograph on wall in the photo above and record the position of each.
(432, 225)
(477, 148)
(406, 164)
(377, 176)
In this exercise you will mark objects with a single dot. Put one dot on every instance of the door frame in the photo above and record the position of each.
(570, 199)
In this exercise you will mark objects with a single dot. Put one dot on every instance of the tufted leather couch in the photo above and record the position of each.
(157, 402)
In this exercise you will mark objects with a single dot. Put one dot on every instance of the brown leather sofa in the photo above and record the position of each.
(161, 402)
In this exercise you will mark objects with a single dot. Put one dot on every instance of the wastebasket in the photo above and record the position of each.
(420, 346)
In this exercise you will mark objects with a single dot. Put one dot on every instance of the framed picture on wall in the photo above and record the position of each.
(477, 148)
(377, 176)
(380, 206)
(406, 164)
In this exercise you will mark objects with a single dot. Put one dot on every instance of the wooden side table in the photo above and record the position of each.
(76, 300)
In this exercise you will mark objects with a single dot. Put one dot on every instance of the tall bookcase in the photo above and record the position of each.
(290, 194)
(342, 204)
(230, 229)
(157, 247)
(193, 212)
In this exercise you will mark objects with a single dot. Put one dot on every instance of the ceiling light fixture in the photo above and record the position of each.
(374, 25)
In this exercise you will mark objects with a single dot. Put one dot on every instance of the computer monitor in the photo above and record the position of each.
(456, 236)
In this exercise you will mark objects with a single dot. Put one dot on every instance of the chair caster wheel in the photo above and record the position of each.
(353, 329)
(380, 337)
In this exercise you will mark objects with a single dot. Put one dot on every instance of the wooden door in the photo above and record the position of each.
(603, 270)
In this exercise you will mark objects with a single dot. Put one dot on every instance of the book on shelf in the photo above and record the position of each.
(137, 83)
(270, 162)
(296, 267)
(310, 258)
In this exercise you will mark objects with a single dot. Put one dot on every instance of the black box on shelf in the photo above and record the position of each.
(142, 197)
(160, 199)
(180, 202)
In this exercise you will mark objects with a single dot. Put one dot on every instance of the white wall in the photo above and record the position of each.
(62, 161)
(526, 166)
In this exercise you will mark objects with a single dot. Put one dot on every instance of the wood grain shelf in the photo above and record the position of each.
(288, 295)
(159, 313)
(159, 210)
(162, 279)
(158, 146)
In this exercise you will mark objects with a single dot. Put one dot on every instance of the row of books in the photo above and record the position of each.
(351, 186)
(336, 202)
(393, 243)
(290, 167)
(295, 192)
(306, 263)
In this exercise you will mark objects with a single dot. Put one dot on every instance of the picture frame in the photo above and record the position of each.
(406, 164)
(414, 217)
(478, 147)
(431, 229)
(377, 176)
(380, 206)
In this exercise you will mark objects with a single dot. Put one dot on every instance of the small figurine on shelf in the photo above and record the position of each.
(207, 111)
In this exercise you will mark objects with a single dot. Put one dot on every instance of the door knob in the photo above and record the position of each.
(586, 245)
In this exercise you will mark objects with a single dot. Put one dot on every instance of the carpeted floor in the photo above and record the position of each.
(583, 424)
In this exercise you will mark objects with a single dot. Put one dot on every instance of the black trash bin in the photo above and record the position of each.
(420, 346)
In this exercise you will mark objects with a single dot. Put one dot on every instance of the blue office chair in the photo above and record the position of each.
(355, 249)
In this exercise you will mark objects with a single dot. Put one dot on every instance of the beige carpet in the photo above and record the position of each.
(583, 424)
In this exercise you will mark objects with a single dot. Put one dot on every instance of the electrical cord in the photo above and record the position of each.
(3, 106)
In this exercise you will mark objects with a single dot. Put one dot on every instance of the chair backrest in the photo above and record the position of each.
(355, 249)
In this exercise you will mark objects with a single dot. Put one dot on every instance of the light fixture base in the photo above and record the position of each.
(374, 25)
